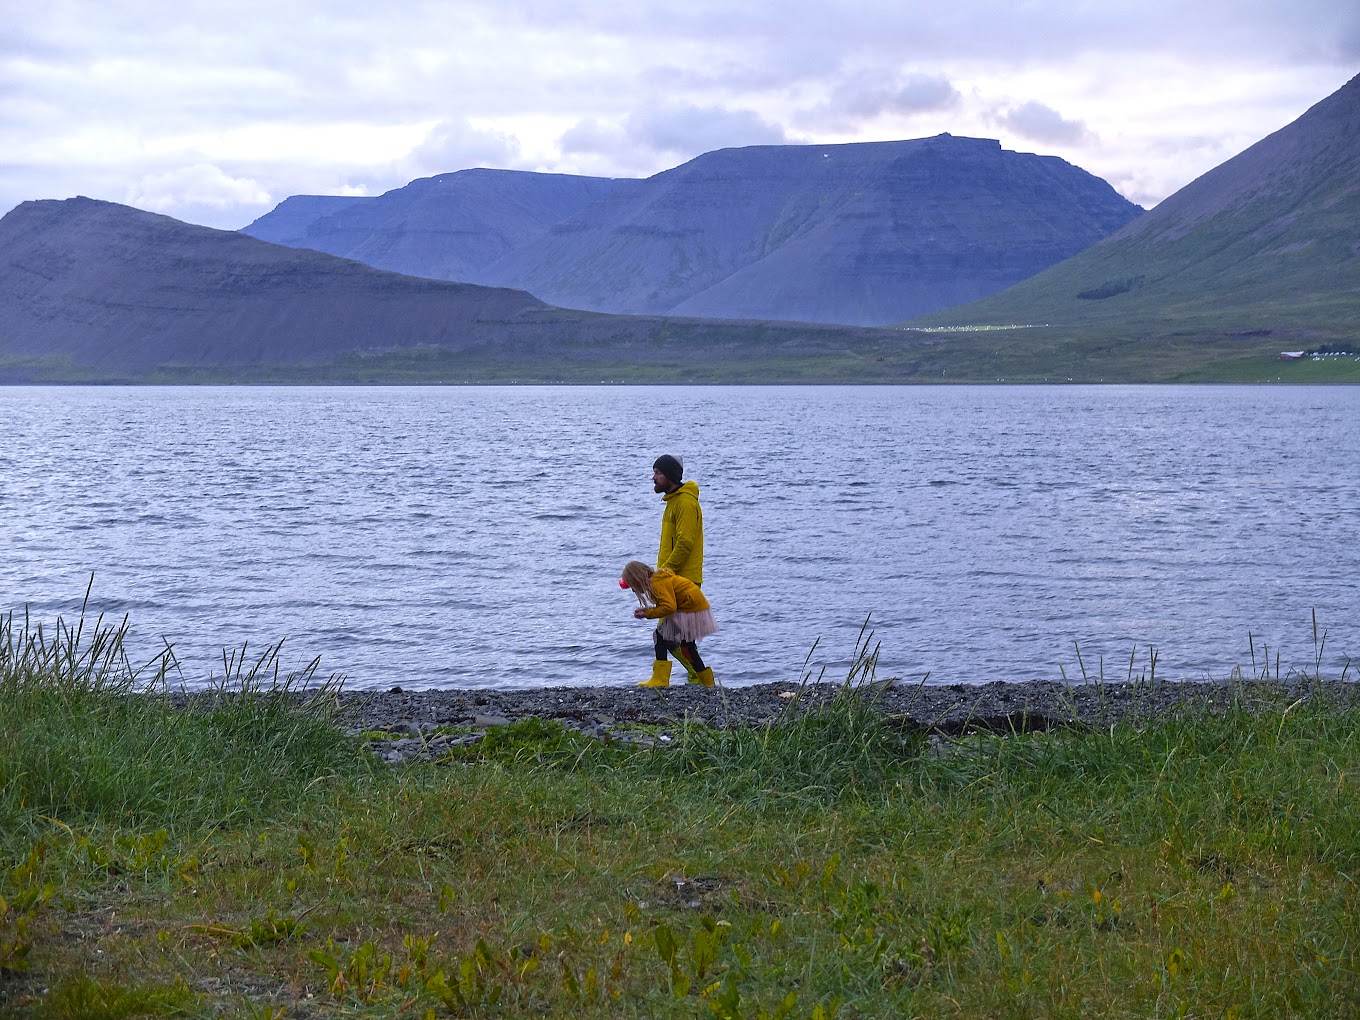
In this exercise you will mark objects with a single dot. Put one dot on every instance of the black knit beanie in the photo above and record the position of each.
(672, 467)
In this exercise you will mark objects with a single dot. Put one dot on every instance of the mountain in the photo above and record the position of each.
(1257, 255)
(113, 287)
(1264, 245)
(448, 227)
(94, 291)
(289, 221)
(864, 233)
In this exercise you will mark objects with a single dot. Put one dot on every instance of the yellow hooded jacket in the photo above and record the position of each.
(674, 594)
(682, 534)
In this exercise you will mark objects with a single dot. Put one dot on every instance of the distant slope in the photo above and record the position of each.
(1268, 243)
(865, 233)
(110, 286)
(449, 227)
(289, 222)
(93, 291)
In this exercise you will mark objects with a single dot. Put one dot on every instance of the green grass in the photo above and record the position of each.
(77, 745)
(832, 864)
(1268, 369)
(1139, 349)
(1178, 353)
(1275, 273)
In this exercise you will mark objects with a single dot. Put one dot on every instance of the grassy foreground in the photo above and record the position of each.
(246, 859)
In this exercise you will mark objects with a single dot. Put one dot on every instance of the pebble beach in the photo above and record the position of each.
(412, 725)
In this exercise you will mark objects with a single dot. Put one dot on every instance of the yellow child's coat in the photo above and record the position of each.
(674, 594)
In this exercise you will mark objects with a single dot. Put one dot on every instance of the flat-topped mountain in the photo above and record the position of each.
(1267, 243)
(864, 233)
(449, 227)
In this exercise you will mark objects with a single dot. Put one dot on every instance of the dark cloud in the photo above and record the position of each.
(457, 145)
(590, 137)
(745, 72)
(671, 133)
(691, 130)
(1270, 30)
(923, 92)
(915, 94)
(868, 95)
(1040, 123)
(1348, 40)
(599, 149)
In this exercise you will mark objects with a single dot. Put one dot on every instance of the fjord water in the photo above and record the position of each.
(472, 536)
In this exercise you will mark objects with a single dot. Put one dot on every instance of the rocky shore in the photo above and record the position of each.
(421, 724)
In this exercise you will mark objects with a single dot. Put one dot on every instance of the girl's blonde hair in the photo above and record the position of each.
(639, 579)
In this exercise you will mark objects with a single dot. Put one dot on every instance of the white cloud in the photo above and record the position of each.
(199, 185)
(197, 193)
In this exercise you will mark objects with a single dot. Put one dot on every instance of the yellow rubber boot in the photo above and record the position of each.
(704, 678)
(661, 674)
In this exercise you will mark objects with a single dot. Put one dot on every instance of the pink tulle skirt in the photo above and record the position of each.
(687, 626)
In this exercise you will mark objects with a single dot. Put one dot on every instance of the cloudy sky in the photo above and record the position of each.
(215, 111)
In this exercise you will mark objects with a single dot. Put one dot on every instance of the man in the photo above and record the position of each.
(682, 523)
(682, 552)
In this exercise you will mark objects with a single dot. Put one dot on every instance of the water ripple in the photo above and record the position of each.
(418, 537)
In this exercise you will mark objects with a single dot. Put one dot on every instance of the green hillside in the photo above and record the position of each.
(1260, 255)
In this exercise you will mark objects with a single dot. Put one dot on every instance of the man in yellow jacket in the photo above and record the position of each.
(682, 523)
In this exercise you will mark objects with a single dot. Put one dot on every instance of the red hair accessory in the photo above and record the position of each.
(623, 583)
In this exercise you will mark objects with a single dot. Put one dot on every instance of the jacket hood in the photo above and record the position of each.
(690, 488)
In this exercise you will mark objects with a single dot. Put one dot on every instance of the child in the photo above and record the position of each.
(685, 618)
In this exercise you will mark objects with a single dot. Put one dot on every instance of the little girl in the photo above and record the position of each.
(685, 618)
